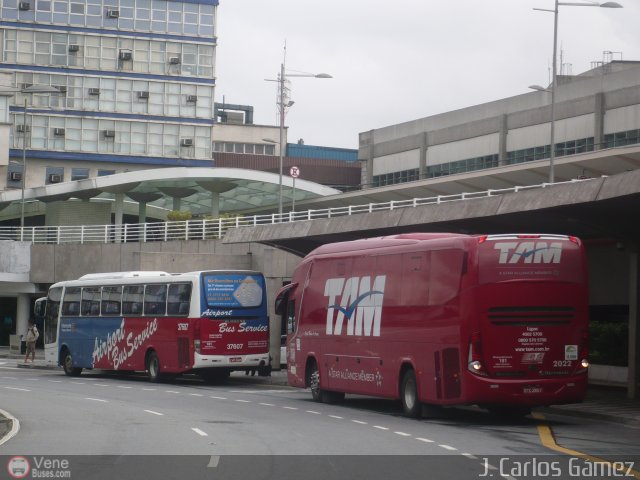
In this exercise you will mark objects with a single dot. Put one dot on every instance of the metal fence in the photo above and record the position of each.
(216, 228)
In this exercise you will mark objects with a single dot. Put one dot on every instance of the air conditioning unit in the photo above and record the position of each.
(143, 95)
(113, 13)
(109, 133)
(55, 178)
(22, 128)
(126, 55)
(94, 91)
(58, 132)
(74, 48)
(15, 176)
(24, 6)
(174, 60)
(61, 88)
(25, 85)
(186, 142)
(192, 98)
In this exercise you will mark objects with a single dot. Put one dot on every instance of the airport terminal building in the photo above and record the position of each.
(595, 110)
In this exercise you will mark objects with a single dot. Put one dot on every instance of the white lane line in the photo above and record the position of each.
(33, 379)
(78, 383)
(55, 381)
(154, 413)
(267, 404)
(448, 447)
(403, 434)
(337, 417)
(359, 422)
(149, 389)
(490, 467)
(15, 427)
(10, 378)
(101, 385)
(380, 428)
(243, 401)
(468, 455)
(196, 395)
(19, 389)
(200, 432)
(96, 399)
(171, 391)
(313, 412)
(123, 386)
(290, 408)
(218, 398)
(425, 440)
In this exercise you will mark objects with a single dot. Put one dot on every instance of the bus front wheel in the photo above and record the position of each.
(319, 395)
(153, 367)
(409, 395)
(67, 365)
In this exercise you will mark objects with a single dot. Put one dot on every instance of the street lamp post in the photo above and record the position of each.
(554, 80)
(28, 90)
(283, 104)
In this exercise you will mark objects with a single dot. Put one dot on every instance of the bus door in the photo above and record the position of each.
(51, 318)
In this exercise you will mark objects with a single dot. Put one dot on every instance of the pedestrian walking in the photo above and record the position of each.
(30, 339)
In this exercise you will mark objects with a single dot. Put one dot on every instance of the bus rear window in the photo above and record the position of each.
(235, 290)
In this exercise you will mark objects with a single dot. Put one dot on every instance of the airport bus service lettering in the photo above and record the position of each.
(113, 347)
(357, 300)
(529, 252)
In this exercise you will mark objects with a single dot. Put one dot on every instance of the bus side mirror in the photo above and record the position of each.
(39, 307)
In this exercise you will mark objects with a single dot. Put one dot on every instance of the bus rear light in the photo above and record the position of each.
(574, 240)
(584, 363)
(482, 238)
(196, 346)
(528, 236)
(474, 360)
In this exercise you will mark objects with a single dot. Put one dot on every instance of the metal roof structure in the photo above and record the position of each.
(237, 189)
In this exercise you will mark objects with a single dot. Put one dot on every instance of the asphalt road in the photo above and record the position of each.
(193, 430)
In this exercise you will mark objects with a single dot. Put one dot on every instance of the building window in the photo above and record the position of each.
(104, 173)
(79, 173)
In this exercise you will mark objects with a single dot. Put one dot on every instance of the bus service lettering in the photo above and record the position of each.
(529, 252)
(358, 297)
(242, 327)
(113, 348)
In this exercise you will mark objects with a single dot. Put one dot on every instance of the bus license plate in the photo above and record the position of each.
(235, 359)
(532, 389)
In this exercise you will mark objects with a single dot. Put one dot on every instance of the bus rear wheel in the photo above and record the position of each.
(153, 367)
(67, 365)
(411, 406)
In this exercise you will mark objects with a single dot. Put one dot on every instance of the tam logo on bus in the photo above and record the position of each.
(529, 252)
(357, 300)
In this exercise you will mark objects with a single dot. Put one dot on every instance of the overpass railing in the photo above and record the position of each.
(205, 229)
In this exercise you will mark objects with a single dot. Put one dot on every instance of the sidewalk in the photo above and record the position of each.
(602, 403)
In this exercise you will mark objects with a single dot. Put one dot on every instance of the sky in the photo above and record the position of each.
(399, 60)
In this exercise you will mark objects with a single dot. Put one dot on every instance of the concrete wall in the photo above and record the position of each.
(15, 261)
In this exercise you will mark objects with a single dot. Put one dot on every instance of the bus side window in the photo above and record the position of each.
(132, 299)
(155, 300)
(291, 316)
(71, 302)
(90, 301)
(111, 300)
(179, 299)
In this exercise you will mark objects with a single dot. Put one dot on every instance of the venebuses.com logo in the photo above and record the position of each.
(38, 467)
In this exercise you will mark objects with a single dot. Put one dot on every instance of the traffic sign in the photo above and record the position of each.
(294, 172)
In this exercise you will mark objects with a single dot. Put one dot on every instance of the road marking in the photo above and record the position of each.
(171, 391)
(425, 440)
(196, 395)
(243, 401)
(123, 386)
(200, 432)
(448, 447)
(55, 381)
(96, 400)
(290, 408)
(359, 422)
(380, 428)
(403, 434)
(101, 385)
(15, 427)
(336, 417)
(214, 461)
(78, 383)
(546, 437)
(313, 412)
(149, 389)
(10, 378)
(154, 413)
(468, 455)
(218, 398)
(33, 379)
(267, 404)
(19, 389)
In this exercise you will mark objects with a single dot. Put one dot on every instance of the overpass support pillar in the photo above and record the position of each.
(23, 314)
(119, 214)
(215, 205)
(633, 380)
(142, 212)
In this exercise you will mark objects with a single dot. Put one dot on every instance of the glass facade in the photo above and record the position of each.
(136, 77)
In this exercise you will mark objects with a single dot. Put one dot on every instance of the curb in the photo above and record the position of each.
(15, 426)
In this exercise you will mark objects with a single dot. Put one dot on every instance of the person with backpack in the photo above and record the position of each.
(30, 339)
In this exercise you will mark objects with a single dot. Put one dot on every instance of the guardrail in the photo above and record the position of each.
(216, 228)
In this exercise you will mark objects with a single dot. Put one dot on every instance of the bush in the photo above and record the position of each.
(608, 343)
(178, 216)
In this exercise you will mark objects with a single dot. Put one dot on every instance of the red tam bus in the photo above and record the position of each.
(499, 321)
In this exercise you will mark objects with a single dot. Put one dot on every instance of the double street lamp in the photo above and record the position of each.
(283, 104)
(554, 82)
